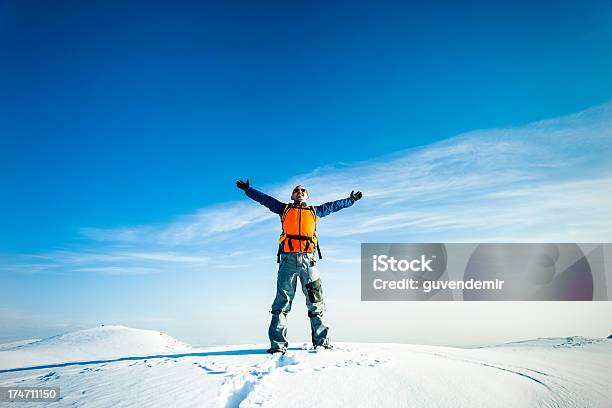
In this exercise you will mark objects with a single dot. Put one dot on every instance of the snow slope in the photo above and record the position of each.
(6, 346)
(105, 342)
(121, 367)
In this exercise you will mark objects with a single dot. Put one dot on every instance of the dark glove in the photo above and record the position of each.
(243, 185)
(355, 195)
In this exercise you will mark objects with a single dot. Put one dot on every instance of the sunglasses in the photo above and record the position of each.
(303, 190)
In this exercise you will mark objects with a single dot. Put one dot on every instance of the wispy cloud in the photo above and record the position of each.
(186, 229)
(550, 181)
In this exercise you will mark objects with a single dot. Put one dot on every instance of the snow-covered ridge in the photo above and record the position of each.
(15, 344)
(99, 343)
(571, 341)
(118, 366)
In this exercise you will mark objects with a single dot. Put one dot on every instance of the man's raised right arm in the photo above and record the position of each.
(270, 203)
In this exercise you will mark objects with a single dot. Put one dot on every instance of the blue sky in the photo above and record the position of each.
(124, 127)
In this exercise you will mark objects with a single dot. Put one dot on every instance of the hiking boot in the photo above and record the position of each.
(324, 346)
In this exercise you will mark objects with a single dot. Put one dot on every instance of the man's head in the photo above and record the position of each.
(299, 194)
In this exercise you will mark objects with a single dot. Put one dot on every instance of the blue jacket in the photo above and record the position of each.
(277, 207)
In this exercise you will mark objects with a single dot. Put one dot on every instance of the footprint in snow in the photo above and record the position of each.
(287, 360)
(49, 376)
(210, 370)
(369, 363)
(293, 369)
(249, 388)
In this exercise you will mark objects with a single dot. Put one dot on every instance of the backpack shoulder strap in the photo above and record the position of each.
(282, 235)
(315, 239)
(285, 211)
(314, 212)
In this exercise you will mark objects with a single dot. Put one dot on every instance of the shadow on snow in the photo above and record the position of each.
(135, 358)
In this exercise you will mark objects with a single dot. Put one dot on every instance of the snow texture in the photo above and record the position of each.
(116, 366)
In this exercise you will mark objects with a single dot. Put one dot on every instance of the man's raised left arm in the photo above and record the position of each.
(333, 206)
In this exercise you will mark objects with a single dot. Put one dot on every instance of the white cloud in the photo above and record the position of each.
(119, 270)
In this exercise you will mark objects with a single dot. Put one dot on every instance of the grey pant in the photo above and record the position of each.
(296, 265)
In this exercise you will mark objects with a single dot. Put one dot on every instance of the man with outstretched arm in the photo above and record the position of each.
(297, 256)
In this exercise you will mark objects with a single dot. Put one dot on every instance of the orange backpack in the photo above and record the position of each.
(299, 223)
